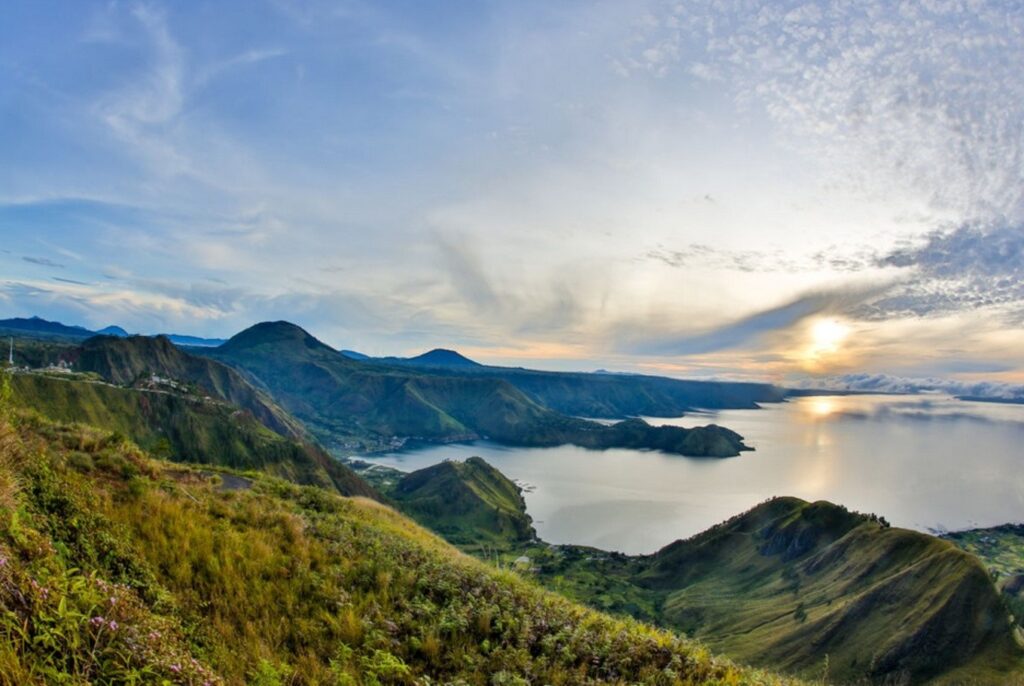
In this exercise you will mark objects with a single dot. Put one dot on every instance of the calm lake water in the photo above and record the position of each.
(925, 462)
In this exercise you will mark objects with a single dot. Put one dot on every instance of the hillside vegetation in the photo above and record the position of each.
(807, 588)
(1001, 550)
(137, 360)
(469, 503)
(358, 405)
(117, 568)
(184, 428)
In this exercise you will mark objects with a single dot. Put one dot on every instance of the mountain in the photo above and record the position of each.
(35, 326)
(615, 396)
(116, 567)
(138, 359)
(789, 582)
(603, 395)
(184, 427)
(438, 357)
(467, 502)
(194, 341)
(40, 327)
(357, 405)
(353, 355)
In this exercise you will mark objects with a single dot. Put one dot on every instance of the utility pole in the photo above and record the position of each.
(10, 355)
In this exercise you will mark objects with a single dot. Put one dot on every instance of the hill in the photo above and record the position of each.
(144, 360)
(790, 582)
(118, 568)
(1001, 550)
(469, 503)
(184, 428)
(358, 405)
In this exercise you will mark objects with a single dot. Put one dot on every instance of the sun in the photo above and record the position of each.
(824, 347)
(827, 335)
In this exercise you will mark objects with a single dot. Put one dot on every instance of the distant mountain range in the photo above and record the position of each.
(438, 357)
(369, 404)
(37, 326)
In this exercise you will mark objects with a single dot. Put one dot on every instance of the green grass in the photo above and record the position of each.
(1001, 550)
(809, 588)
(470, 503)
(183, 427)
(799, 587)
(125, 569)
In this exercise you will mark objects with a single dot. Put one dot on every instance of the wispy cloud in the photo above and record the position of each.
(243, 59)
(966, 268)
(43, 262)
(138, 113)
(924, 97)
(747, 330)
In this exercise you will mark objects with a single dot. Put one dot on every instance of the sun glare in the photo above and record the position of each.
(826, 337)
(827, 334)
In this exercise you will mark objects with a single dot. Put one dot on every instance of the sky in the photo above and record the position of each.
(787, 191)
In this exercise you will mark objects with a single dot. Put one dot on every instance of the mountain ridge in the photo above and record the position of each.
(363, 405)
(39, 326)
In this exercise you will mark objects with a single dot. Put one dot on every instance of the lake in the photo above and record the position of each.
(926, 462)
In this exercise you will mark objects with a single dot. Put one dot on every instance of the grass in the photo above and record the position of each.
(470, 503)
(119, 568)
(183, 427)
(808, 589)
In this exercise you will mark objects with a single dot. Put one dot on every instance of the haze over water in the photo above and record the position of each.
(923, 462)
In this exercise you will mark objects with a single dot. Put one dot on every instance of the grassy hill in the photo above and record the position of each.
(120, 569)
(1001, 550)
(136, 360)
(184, 428)
(359, 405)
(469, 503)
(789, 583)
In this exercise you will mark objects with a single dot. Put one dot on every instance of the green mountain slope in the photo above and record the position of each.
(358, 405)
(613, 396)
(600, 394)
(469, 503)
(123, 569)
(136, 360)
(1001, 550)
(789, 583)
(185, 428)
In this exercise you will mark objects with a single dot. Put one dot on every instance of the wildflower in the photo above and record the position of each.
(176, 668)
(97, 621)
(112, 625)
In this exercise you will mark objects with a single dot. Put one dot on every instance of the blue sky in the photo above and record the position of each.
(735, 188)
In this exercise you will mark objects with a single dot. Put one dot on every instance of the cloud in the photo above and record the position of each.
(243, 59)
(965, 268)
(848, 260)
(749, 329)
(887, 383)
(467, 273)
(72, 281)
(43, 261)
